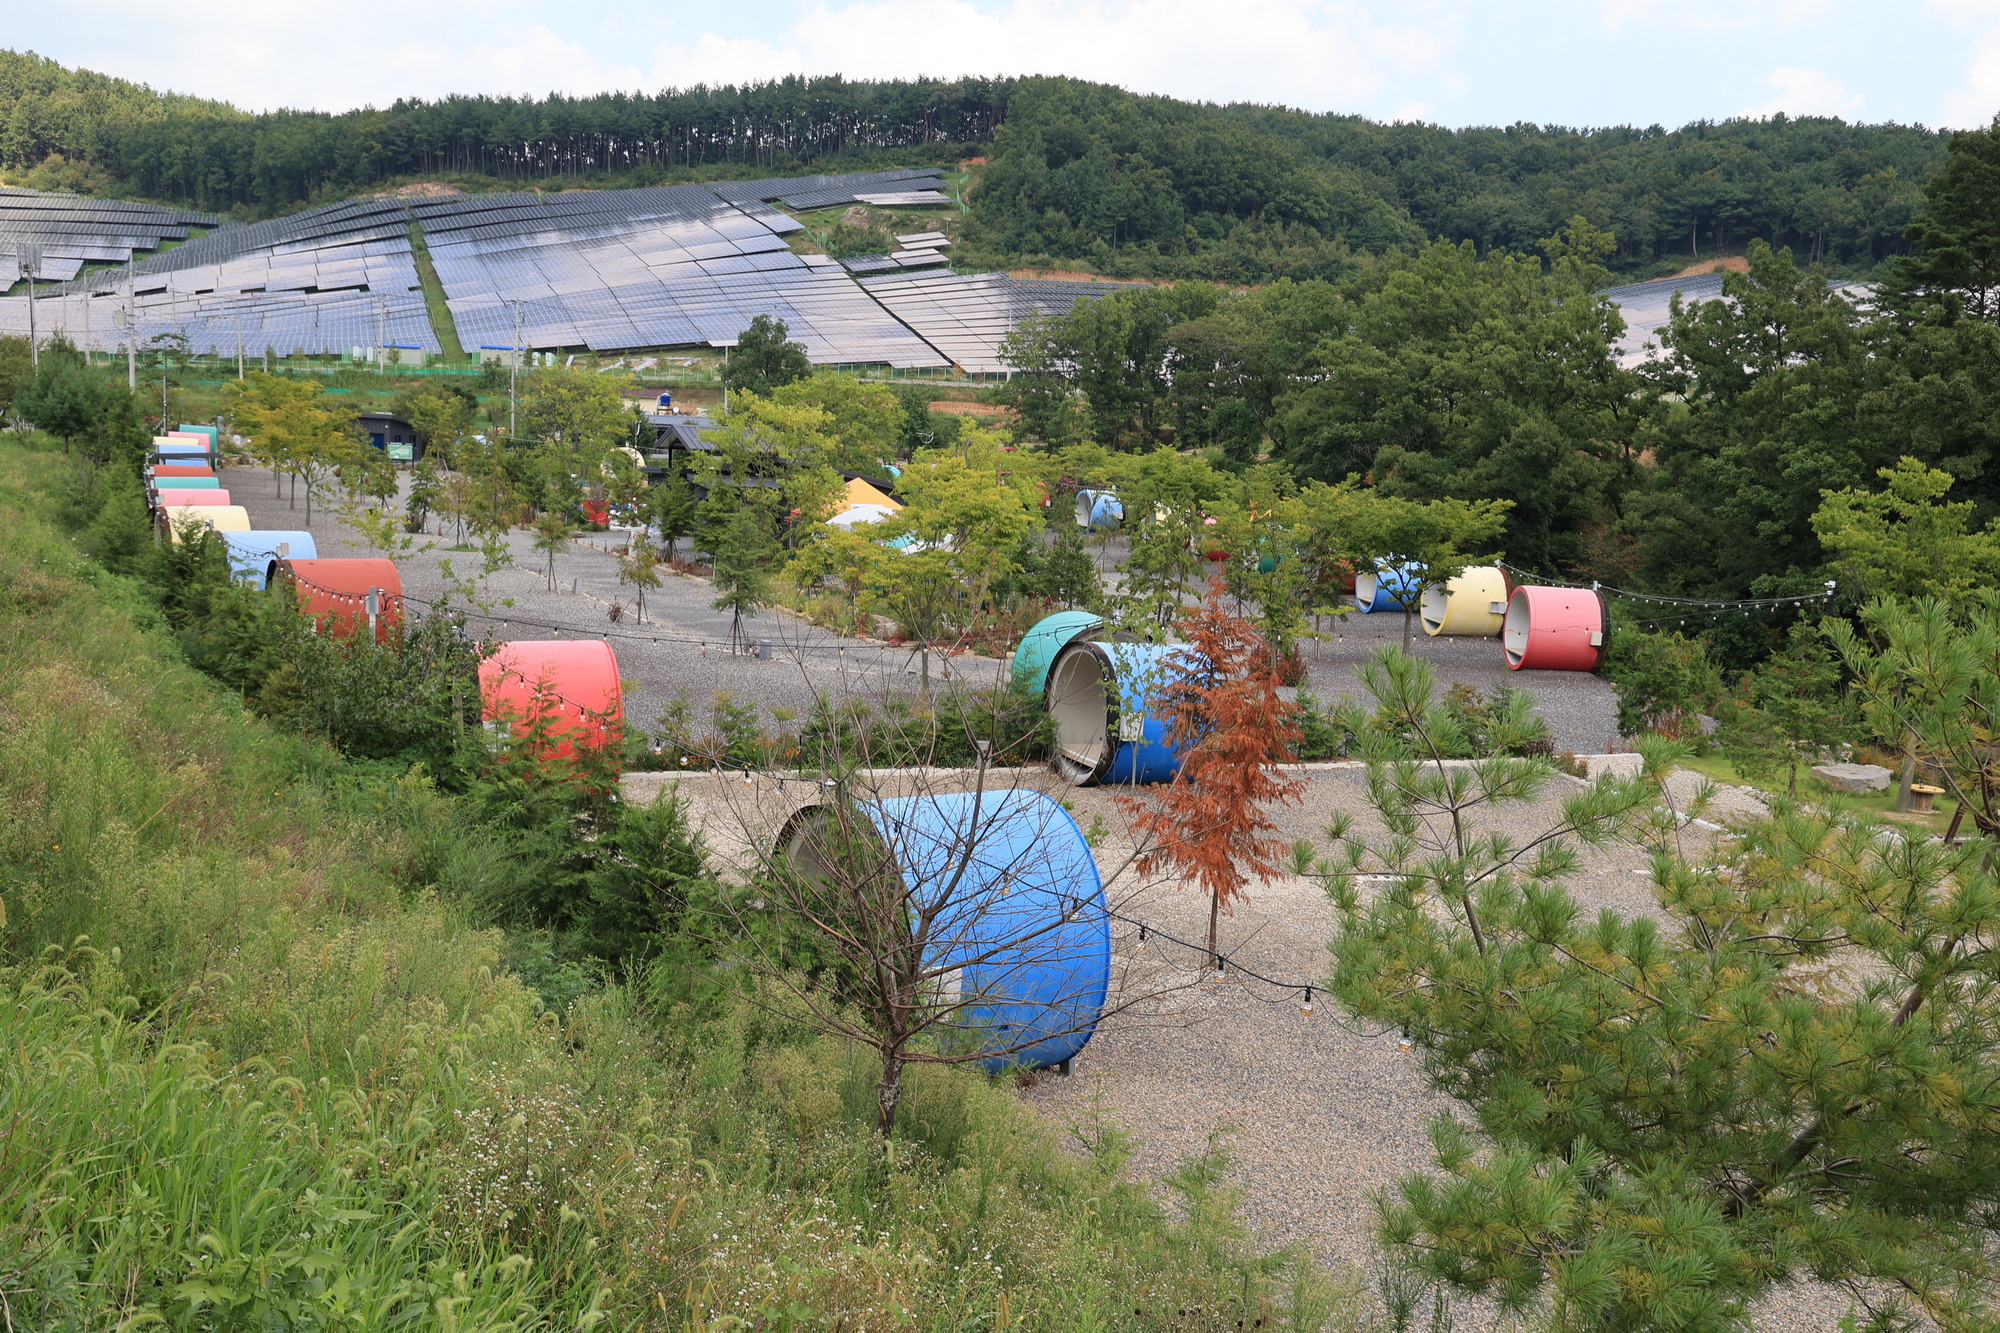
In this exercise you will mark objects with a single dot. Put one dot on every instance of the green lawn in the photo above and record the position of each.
(1875, 803)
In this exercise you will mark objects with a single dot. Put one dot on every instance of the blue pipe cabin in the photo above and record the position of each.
(254, 556)
(1393, 587)
(1104, 699)
(1100, 511)
(1004, 904)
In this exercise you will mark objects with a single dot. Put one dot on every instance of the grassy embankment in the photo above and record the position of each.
(1881, 804)
(263, 1071)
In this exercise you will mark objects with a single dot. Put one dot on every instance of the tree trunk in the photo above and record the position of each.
(888, 1093)
(1214, 911)
(1408, 615)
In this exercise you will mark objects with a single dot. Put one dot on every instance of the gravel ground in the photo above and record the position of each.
(682, 652)
(1321, 1112)
(1580, 708)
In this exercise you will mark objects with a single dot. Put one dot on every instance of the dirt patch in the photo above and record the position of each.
(958, 408)
(1731, 263)
(421, 189)
(1067, 275)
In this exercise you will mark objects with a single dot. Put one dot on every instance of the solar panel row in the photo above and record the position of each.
(71, 231)
(968, 316)
(665, 266)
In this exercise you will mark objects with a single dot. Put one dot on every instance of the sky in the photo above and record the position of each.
(1564, 62)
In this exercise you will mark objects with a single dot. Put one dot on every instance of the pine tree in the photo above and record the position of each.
(1789, 1071)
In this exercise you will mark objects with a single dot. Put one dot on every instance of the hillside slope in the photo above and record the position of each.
(1073, 171)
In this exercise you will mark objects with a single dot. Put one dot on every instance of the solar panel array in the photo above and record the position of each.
(615, 270)
(668, 266)
(804, 193)
(967, 315)
(899, 262)
(71, 231)
(1648, 308)
(322, 281)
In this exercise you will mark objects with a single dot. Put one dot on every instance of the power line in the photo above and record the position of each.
(1745, 604)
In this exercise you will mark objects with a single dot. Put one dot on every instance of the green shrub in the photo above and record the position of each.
(1663, 681)
(290, 1082)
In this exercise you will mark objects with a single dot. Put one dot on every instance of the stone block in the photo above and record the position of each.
(1854, 777)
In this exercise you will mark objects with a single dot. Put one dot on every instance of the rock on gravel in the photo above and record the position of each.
(1854, 778)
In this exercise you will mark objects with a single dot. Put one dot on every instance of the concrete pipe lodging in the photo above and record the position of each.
(1556, 629)
(336, 593)
(1473, 604)
(220, 518)
(569, 684)
(1044, 639)
(1103, 697)
(1006, 893)
(180, 497)
(1391, 588)
(1100, 511)
(254, 556)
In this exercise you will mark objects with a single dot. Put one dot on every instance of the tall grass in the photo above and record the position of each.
(256, 1075)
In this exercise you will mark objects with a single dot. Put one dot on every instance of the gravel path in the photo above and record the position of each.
(682, 652)
(1321, 1111)
(1580, 708)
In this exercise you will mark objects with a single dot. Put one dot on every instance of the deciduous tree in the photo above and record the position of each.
(1211, 824)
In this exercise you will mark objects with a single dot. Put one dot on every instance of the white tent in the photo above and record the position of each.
(855, 515)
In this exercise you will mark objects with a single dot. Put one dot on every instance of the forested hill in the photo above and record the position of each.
(1133, 185)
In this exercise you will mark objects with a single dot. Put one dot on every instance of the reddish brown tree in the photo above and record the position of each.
(1234, 732)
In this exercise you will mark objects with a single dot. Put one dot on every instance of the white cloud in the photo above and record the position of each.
(1322, 54)
(261, 55)
(1805, 92)
(1291, 51)
(1974, 105)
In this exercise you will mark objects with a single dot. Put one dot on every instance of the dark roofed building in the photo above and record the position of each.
(391, 434)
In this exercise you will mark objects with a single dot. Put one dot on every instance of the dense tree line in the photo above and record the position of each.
(1154, 186)
(1144, 186)
(214, 156)
(1443, 372)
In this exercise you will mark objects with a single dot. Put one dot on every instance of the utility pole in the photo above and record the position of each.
(131, 333)
(514, 371)
(29, 259)
(239, 347)
(381, 334)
